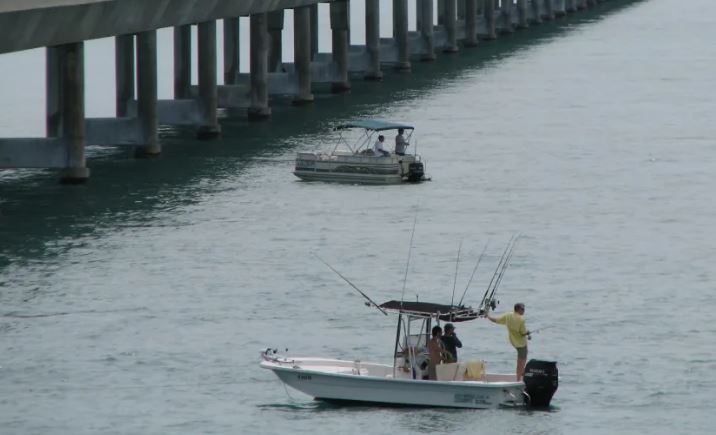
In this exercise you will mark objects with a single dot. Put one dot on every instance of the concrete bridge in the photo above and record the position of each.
(443, 26)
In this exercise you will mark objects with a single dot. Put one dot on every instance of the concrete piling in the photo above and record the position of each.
(451, 26)
(400, 33)
(314, 30)
(490, 19)
(53, 91)
(506, 14)
(339, 29)
(522, 22)
(70, 66)
(208, 93)
(231, 50)
(147, 92)
(182, 62)
(124, 71)
(549, 14)
(470, 23)
(259, 108)
(275, 32)
(302, 54)
(372, 39)
(427, 29)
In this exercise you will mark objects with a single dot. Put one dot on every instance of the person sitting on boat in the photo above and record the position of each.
(518, 334)
(436, 349)
(400, 145)
(450, 342)
(378, 148)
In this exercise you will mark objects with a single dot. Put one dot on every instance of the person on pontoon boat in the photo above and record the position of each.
(400, 143)
(378, 148)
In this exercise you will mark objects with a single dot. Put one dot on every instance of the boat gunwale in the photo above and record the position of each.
(273, 365)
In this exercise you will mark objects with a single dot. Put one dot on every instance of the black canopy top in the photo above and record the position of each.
(443, 312)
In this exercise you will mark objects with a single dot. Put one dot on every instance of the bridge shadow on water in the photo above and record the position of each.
(40, 218)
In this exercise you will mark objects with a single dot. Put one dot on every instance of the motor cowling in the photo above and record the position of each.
(416, 171)
(541, 382)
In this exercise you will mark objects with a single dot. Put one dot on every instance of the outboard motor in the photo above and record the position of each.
(541, 381)
(416, 171)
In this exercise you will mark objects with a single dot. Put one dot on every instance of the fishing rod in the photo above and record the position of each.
(473, 272)
(352, 285)
(494, 276)
(457, 264)
(407, 264)
(505, 266)
(535, 331)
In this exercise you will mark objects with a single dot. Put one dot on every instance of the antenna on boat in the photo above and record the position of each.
(473, 272)
(457, 264)
(371, 302)
(407, 264)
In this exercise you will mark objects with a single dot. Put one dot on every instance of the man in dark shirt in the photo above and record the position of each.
(450, 341)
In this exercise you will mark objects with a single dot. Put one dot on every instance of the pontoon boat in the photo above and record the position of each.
(357, 162)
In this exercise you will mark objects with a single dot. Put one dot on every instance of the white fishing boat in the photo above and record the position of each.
(355, 161)
(409, 379)
(405, 382)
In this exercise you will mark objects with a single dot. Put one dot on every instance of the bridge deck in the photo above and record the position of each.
(26, 24)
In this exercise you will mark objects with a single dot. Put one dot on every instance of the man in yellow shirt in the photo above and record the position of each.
(518, 334)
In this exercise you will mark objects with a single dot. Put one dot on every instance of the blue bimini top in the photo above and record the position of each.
(375, 125)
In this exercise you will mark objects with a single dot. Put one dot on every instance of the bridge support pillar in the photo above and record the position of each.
(208, 93)
(581, 5)
(275, 31)
(490, 19)
(147, 95)
(427, 29)
(182, 62)
(451, 26)
(314, 30)
(470, 23)
(66, 107)
(124, 70)
(549, 13)
(339, 28)
(522, 22)
(302, 54)
(372, 39)
(231, 50)
(400, 33)
(536, 10)
(259, 108)
(506, 13)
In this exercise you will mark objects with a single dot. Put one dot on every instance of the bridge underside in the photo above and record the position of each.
(36, 23)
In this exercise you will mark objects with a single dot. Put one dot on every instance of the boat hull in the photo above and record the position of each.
(351, 387)
(357, 169)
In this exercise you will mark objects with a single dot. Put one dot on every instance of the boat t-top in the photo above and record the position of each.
(358, 161)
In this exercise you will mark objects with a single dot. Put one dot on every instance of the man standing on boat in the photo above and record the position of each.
(518, 334)
(451, 342)
(400, 145)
